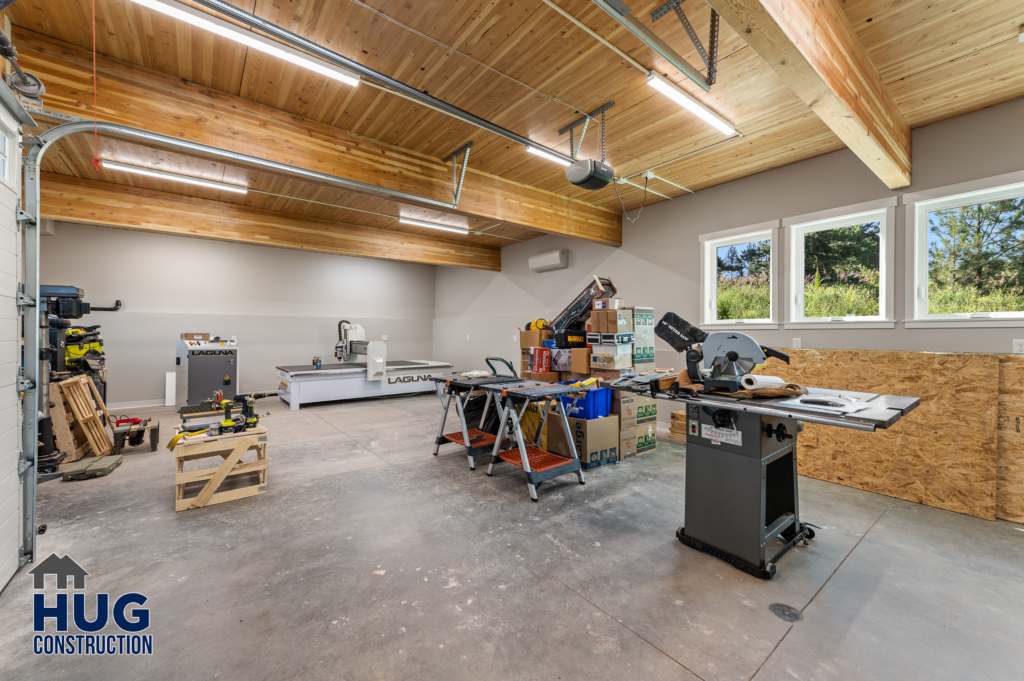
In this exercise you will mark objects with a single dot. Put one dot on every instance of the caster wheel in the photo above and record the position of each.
(42, 529)
(810, 532)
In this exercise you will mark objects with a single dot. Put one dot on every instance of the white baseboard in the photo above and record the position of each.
(134, 405)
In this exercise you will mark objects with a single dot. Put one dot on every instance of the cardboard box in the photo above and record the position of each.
(611, 374)
(533, 339)
(550, 377)
(580, 362)
(624, 406)
(643, 331)
(195, 336)
(609, 304)
(596, 441)
(572, 376)
(627, 443)
(646, 410)
(618, 321)
(524, 360)
(561, 360)
(613, 349)
(646, 438)
(611, 361)
(642, 367)
(540, 360)
(598, 321)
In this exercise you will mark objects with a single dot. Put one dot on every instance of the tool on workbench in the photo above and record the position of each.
(538, 325)
(742, 499)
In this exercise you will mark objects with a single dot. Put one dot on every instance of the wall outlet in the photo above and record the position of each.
(796, 343)
(384, 337)
(514, 338)
(467, 336)
(1018, 345)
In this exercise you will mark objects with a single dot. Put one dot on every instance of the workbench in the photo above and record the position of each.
(538, 465)
(474, 440)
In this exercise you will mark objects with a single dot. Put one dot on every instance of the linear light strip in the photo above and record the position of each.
(174, 177)
(432, 225)
(689, 102)
(230, 31)
(544, 154)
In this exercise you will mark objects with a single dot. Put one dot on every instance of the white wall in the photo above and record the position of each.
(283, 305)
(659, 261)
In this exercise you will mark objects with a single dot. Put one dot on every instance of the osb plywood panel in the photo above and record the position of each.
(942, 454)
(1010, 464)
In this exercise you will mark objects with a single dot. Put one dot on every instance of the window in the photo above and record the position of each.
(737, 276)
(969, 255)
(839, 268)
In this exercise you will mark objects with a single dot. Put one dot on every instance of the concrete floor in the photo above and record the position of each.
(371, 559)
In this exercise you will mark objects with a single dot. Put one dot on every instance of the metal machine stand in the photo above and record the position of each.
(475, 441)
(538, 465)
(741, 487)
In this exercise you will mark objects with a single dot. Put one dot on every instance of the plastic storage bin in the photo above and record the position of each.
(593, 405)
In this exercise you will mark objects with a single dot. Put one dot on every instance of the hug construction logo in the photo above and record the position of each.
(85, 637)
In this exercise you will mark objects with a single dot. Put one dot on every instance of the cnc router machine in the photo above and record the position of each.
(364, 370)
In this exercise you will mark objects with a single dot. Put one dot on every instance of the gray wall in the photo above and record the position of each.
(283, 305)
(659, 261)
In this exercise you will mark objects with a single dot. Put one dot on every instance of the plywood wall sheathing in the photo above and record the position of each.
(943, 454)
(1010, 464)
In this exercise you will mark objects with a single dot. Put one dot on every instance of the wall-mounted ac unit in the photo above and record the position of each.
(555, 260)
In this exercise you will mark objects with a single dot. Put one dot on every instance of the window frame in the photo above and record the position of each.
(709, 245)
(917, 208)
(884, 211)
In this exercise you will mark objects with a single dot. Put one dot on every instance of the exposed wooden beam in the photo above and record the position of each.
(100, 203)
(813, 48)
(144, 99)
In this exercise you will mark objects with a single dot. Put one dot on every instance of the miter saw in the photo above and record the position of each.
(727, 356)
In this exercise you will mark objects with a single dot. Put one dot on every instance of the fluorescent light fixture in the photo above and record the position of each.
(251, 39)
(548, 155)
(432, 225)
(688, 102)
(174, 177)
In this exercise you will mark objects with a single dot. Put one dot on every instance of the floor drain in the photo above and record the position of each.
(786, 612)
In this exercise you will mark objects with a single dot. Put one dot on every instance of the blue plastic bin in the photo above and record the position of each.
(593, 405)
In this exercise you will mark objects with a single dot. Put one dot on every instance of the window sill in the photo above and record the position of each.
(842, 325)
(726, 326)
(964, 323)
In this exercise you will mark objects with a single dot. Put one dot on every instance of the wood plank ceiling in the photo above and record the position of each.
(524, 66)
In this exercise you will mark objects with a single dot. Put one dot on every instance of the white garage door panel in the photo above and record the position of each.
(9, 397)
(8, 375)
(9, 351)
(8, 422)
(10, 538)
(8, 310)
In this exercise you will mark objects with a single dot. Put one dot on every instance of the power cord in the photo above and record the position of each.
(624, 214)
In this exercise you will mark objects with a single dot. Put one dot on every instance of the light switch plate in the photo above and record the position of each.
(796, 342)
(467, 336)
(1018, 345)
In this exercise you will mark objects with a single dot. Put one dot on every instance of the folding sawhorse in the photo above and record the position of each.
(538, 465)
(474, 440)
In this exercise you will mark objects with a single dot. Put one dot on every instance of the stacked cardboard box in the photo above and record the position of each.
(643, 339)
(596, 441)
(638, 423)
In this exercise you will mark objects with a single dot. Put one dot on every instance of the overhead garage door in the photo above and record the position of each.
(10, 410)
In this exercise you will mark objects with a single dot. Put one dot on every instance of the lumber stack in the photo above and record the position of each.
(678, 429)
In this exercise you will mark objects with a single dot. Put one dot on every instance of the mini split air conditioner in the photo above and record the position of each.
(555, 260)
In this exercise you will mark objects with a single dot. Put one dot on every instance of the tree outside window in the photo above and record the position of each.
(976, 258)
(743, 280)
(841, 271)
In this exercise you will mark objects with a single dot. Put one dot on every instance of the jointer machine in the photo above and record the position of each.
(742, 500)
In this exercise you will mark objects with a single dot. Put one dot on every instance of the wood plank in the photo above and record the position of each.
(186, 477)
(101, 203)
(62, 430)
(221, 497)
(813, 47)
(144, 99)
(242, 445)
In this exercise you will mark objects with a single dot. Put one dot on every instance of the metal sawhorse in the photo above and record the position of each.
(474, 440)
(538, 465)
